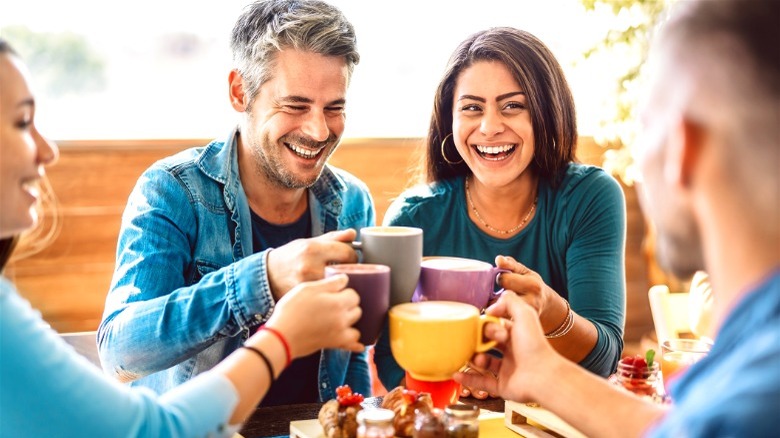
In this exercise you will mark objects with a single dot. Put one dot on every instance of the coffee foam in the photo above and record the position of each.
(353, 268)
(393, 231)
(454, 264)
(435, 310)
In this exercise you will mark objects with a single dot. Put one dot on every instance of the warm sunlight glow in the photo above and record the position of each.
(166, 62)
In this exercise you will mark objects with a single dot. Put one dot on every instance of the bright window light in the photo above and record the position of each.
(157, 69)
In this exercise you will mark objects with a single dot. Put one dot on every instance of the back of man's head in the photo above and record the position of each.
(266, 27)
(725, 75)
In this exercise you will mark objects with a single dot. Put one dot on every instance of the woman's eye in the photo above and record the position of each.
(515, 106)
(24, 124)
(470, 107)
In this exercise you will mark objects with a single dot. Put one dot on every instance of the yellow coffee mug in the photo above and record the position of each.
(434, 339)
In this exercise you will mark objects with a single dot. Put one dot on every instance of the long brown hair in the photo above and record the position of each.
(550, 101)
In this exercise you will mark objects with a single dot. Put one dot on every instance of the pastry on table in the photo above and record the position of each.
(338, 417)
(405, 403)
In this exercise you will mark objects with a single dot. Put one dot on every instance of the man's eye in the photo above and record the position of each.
(295, 107)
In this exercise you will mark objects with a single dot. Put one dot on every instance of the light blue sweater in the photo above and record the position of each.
(48, 390)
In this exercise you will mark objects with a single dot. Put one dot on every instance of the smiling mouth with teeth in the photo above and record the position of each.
(303, 152)
(495, 153)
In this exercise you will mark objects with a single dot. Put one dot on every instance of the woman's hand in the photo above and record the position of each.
(319, 314)
(532, 289)
(478, 394)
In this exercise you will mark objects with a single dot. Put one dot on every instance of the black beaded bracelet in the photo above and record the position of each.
(265, 359)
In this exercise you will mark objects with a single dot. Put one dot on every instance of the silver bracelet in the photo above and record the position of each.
(565, 326)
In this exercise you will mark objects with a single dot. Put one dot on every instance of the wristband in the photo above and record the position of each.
(281, 339)
(265, 359)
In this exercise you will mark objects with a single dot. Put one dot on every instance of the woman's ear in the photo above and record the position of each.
(236, 90)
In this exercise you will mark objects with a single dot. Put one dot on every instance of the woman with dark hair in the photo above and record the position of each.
(500, 183)
(49, 390)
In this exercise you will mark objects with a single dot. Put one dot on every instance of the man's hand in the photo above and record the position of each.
(305, 259)
(526, 352)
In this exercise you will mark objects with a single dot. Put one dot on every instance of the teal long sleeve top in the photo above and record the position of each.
(576, 242)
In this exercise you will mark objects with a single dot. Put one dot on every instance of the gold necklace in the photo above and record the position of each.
(496, 230)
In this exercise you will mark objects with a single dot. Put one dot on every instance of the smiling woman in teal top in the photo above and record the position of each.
(499, 179)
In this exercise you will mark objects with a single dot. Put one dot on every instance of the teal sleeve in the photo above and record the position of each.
(49, 390)
(595, 264)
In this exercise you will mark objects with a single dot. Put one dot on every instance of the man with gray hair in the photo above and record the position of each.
(710, 159)
(213, 236)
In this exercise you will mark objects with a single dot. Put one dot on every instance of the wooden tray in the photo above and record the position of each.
(536, 422)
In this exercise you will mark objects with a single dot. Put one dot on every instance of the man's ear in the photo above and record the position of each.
(236, 90)
(684, 152)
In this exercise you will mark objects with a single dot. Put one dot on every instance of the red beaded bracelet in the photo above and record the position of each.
(281, 339)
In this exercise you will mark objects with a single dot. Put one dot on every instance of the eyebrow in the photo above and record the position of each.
(301, 99)
(26, 102)
(499, 98)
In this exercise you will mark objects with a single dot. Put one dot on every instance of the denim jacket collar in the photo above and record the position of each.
(221, 164)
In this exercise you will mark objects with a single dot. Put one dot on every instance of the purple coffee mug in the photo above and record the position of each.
(457, 279)
(372, 283)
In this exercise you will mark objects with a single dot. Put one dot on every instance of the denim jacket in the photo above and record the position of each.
(187, 287)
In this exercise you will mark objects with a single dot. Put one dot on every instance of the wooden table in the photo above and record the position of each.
(275, 421)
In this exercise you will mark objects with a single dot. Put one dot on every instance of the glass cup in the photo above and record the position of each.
(678, 354)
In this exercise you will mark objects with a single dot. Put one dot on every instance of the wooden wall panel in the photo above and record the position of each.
(69, 279)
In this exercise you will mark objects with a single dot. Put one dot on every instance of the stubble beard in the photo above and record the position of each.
(271, 165)
(679, 250)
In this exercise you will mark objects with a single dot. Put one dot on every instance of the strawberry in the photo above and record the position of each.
(346, 397)
(343, 390)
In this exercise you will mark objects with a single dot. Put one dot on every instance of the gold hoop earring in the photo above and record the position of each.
(443, 155)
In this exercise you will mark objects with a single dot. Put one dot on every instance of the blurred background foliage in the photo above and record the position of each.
(625, 44)
(62, 63)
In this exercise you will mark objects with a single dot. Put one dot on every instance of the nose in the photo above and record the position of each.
(48, 152)
(492, 123)
(316, 126)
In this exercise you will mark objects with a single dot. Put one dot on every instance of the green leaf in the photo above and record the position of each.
(649, 356)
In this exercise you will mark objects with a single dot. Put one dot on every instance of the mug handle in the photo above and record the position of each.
(481, 345)
(497, 293)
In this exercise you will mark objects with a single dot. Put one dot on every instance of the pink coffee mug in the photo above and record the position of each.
(457, 279)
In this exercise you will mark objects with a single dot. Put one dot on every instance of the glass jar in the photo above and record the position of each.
(375, 423)
(645, 382)
(429, 424)
(461, 421)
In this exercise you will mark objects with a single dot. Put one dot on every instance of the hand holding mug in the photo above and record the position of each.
(526, 353)
(372, 283)
(305, 259)
(530, 286)
(434, 339)
(337, 310)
